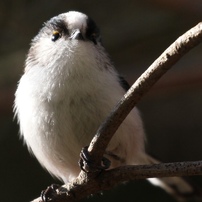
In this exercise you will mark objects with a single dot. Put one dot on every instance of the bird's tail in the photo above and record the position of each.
(178, 187)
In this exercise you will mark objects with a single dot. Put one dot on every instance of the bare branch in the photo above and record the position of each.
(143, 84)
(82, 187)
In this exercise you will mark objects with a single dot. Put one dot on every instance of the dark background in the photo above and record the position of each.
(135, 33)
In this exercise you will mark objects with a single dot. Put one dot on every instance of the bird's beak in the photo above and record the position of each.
(76, 34)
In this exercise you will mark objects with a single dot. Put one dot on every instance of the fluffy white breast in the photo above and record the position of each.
(68, 89)
(61, 106)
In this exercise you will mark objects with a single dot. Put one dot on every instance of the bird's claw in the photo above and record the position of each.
(87, 164)
(49, 193)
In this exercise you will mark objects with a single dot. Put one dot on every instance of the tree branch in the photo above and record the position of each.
(90, 183)
(142, 85)
(84, 185)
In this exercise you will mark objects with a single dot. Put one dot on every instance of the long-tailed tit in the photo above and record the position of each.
(68, 88)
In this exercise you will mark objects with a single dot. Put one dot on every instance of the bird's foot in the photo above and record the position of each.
(51, 192)
(88, 165)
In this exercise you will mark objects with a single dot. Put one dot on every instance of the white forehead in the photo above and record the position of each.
(76, 19)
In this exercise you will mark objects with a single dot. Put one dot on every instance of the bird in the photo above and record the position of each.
(68, 88)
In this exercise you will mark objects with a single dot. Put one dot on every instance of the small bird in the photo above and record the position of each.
(68, 88)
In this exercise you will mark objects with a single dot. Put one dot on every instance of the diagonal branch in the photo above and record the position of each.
(143, 84)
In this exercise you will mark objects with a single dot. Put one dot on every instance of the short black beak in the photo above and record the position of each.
(76, 34)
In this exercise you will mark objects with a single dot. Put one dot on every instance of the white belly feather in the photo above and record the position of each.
(59, 115)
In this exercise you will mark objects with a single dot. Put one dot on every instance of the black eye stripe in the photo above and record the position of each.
(92, 31)
(58, 24)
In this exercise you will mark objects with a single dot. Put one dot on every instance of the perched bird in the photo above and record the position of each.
(68, 88)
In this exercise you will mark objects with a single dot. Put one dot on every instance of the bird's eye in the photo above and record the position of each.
(55, 36)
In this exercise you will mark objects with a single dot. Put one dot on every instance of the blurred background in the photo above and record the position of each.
(135, 33)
